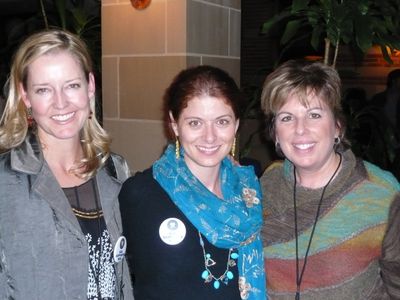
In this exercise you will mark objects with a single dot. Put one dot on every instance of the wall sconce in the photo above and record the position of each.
(140, 4)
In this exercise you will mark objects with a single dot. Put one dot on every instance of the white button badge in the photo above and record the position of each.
(120, 249)
(172, 231)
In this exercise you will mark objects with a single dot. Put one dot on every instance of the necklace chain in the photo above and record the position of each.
(299, 275)
(207, 275)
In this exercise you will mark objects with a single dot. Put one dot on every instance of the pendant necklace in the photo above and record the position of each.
(299, 274)
(208, 276)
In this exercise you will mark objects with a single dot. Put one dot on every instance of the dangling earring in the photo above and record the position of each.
(233, 149)
(278, 149)
(29, 118)
(90, 115)
(177, 148)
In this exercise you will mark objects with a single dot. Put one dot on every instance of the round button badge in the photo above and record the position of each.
(172, 231)
(120, 249)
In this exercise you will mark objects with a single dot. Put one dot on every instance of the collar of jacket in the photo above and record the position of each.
(28, 157)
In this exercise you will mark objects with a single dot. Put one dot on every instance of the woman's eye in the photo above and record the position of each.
(286, 118)
(315, 116)
(42, 90)
(194, 123)
(223, 122)
(74, 85)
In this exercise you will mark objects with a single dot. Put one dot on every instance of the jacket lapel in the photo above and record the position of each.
(46, 187)
(28, 159)
(108, 191)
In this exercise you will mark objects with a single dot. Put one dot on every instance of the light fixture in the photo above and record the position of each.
(140, 4)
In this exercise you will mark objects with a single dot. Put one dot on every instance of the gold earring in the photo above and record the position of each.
(177, 149)
(233, 150)
(30, 119)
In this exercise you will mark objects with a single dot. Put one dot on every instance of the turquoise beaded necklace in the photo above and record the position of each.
(208, 276)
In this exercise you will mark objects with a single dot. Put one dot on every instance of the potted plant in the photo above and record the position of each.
(327, 24)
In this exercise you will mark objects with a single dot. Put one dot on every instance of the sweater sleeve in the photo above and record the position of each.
(390, 261)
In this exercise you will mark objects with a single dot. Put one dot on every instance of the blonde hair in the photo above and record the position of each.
(14, 125)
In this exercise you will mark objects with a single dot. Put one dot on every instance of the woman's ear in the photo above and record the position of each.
(24, 95)
(173, 123)
(338, 131)
(237, 125)
(91, 86)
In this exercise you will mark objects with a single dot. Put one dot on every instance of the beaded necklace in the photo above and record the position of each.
(208, 276)
(299, 274)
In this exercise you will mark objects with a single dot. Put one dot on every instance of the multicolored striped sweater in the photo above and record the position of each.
(343, 262)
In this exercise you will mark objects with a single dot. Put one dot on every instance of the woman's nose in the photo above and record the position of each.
(300, 126)
(210, 134)
(60, 100)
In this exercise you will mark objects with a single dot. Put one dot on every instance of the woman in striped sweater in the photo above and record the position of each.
(326, 211)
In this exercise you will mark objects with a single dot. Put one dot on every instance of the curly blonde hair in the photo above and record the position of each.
(13, 123)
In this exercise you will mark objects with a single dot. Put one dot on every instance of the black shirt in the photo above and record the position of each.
(86, 206)
(160, 270)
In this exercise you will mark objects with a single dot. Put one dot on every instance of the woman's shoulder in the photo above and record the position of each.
(140, 190)
(381, 177)
(274, 170)
(4, 156)
(118, 167)
(140, 179)
(140, 184)
(5, 163)
(273, 167)
(118, 158)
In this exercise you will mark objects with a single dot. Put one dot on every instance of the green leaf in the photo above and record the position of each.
(338, 12)
(388, 23)
(298, 5)
(61, 10)
(291, 30)
(268, 25)
(363, 32)
(386, 55)
(347, 31)
(315, 37)
(314, 17)
(391, 41)
(290, 44)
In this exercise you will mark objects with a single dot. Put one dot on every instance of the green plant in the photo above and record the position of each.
(252, 111)
(328, 24)
(373, 138)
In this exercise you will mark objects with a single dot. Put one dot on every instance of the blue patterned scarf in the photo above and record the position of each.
(232, 222)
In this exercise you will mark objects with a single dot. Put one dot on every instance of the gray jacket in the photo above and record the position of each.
(43, 252)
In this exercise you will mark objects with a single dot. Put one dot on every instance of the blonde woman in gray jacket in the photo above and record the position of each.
(60, 225)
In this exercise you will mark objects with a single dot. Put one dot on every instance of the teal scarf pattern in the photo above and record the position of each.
(232, 222)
